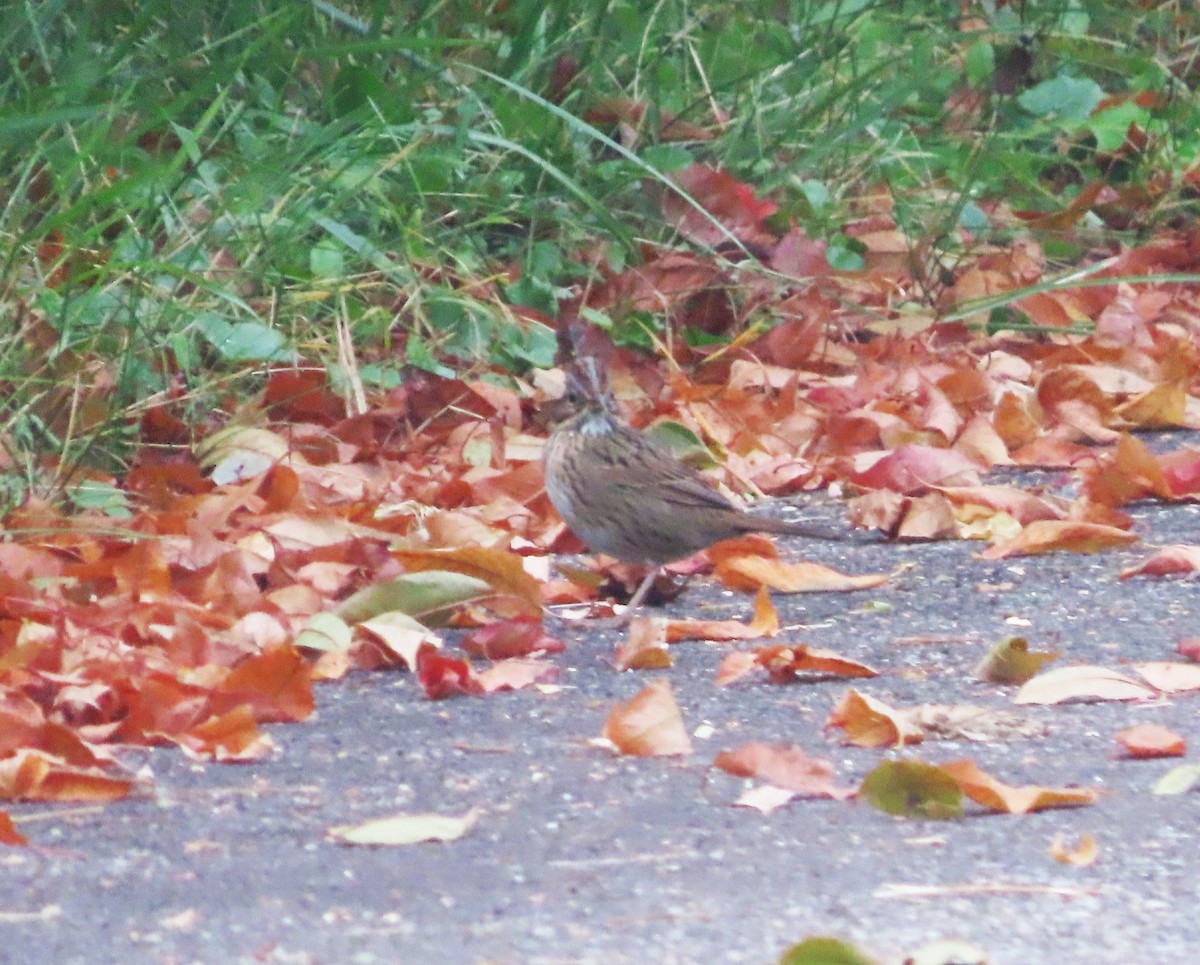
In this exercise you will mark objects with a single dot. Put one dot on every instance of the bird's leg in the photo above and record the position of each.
(620, 619)
(636, 600)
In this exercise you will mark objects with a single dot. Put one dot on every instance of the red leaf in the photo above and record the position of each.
(443, 676)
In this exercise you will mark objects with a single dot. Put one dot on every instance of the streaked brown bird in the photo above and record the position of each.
(628, 497)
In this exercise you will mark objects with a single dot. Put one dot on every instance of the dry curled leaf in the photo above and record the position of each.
(649, 724)
(1081, 684)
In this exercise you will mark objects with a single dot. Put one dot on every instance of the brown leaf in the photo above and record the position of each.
(649, 724)
(519, 637)
(515, 673)
(783, 765)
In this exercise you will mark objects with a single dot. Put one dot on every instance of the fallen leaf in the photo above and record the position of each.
(765, 623)
(782, 765)
(984, 789)
(519, 637)
(404, 637)
(1051, 535)
(515, 673)
(645, 646)
(405, 829)
(443, 676)
(1178, 560)
(8, 833)
(1079, 854)
(649, 724)
(1011, 662)
(1081, 683)
(765, 798)
(1178, 780)
(784, 663)
(734, 666)
(825, 951)
(418, 594)
(33, 775)
(503, 571)
(1151, 740)
(1170, 677)
(869, 722)
(750, 573)
(912, 789)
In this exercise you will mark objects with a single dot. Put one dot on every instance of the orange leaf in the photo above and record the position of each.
(649, 724)
(33, 775)
(869, 722)
(8, 833)
(783, 663)
(764, 624)
(735, 666)
(1048, 535)
(1151, 740)
(645, 647)
(986, 790)
(753, 572)
(230, 737)
(1081, 854)
(275, 684)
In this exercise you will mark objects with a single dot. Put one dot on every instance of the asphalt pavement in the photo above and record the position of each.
(580, 856)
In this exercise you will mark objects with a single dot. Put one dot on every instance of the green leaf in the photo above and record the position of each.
(242, 341)
(844, 254)
(416, 594)
(682, 442)
(981, 62)
(824, 951)
(325, 632)
(1178, 780)
(1111, 125)
(913, 789)
(666, 158)
(1070, 100)
(326, 259)
(104, 497)
(974, 218)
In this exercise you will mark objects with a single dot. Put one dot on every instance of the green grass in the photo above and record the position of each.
(196, 192)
